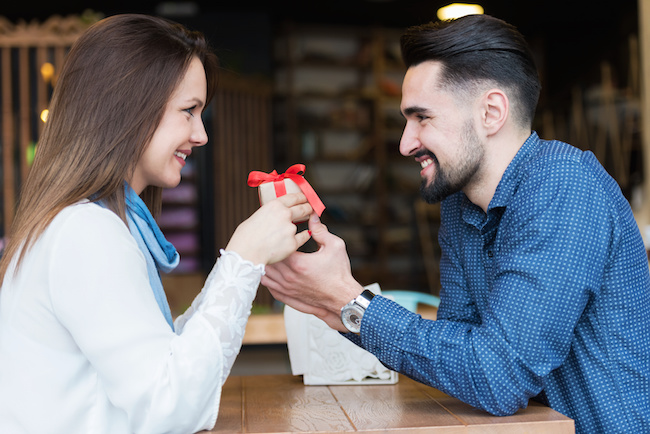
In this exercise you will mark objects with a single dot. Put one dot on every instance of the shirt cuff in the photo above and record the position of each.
(382, 319)
(234, 258)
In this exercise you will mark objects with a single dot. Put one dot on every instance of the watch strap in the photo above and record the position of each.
(364, 298)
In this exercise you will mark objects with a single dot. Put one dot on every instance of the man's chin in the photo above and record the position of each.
(433, 194)
(429, 193)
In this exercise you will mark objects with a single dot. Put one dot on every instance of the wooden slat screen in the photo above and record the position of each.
(24, 93)
(242, 143)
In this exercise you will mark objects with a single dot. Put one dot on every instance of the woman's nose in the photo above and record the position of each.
(199, 135)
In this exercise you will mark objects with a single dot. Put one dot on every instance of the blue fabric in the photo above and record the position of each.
(159, 253)
(546, 296)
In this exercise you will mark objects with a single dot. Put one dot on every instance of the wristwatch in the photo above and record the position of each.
(352, 313)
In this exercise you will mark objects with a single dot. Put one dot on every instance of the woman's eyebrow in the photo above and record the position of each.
(198, 101)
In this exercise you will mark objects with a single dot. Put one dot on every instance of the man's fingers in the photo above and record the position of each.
(318, 230)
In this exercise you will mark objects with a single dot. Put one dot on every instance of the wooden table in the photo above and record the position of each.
(282, 404)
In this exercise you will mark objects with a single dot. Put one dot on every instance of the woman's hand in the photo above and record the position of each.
(269, 235)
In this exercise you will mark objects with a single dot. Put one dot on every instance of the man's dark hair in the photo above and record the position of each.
(476, 48)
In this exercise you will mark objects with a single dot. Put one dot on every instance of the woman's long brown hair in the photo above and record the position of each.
(108, 101)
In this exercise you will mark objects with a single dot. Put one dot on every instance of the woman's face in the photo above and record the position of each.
(180, 130)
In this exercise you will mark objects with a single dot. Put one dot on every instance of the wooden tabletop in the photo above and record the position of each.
(282, 404)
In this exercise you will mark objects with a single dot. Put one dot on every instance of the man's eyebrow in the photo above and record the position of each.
(408, 111)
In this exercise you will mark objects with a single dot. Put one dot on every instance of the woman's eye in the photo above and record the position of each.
(190, 110)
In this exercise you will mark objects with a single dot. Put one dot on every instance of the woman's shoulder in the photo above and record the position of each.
(86, 233)
(86, 209)
(87, 220)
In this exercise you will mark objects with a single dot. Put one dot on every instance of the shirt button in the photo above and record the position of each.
(490, 253)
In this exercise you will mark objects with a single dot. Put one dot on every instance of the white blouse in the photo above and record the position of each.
(84, 347)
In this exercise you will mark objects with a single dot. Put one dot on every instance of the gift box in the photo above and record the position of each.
(273, 185)
(269, 190)
(324, 357)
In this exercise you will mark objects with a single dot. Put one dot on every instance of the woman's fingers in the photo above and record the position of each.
(297, 203)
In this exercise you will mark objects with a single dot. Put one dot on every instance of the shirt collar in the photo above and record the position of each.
(510, 179)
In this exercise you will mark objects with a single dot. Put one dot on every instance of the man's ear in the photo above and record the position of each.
(495, 109)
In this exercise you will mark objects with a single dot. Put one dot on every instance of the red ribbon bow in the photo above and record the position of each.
(295, 173)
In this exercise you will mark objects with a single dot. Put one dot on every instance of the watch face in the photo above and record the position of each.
(351, 318)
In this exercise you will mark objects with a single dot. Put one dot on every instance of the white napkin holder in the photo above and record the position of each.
(324, 357)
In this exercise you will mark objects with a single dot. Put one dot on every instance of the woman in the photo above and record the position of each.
(86, 339)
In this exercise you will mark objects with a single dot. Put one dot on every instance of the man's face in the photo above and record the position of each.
(439, 133)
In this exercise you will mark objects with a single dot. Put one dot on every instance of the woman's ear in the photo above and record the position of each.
(495, 108)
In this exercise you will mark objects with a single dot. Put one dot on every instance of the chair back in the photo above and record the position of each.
(411, 299)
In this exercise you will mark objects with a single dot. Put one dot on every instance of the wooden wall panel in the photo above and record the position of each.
(242, 143)
(7, 125)
(643, 215)
(24, 48)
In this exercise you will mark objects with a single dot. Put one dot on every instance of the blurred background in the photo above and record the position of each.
(319, 83)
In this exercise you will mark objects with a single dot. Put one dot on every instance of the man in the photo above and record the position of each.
(545, 283)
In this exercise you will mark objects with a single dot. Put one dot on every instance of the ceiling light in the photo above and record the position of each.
(457, 10)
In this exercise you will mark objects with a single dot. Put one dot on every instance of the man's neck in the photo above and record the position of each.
(499, 152)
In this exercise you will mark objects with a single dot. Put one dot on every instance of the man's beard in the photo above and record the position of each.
(445, 182)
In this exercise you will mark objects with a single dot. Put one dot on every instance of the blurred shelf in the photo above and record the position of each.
(337, 110)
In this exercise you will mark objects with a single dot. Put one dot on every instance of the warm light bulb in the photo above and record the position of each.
(44, 114)
(457, 10)
(47, 71)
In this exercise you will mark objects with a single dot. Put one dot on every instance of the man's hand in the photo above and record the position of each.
(318, 283)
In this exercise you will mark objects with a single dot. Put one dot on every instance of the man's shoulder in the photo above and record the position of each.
(568, 164)
(551, 155)
(548, 153)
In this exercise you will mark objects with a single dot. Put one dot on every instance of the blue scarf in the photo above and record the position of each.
(159, 253)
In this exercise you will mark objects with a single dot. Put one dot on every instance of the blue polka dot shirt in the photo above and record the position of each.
(546, 296)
